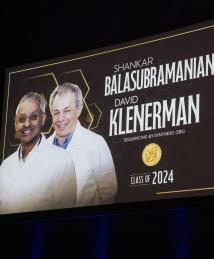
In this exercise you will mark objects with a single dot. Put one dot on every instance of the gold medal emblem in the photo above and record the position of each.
(151, 154)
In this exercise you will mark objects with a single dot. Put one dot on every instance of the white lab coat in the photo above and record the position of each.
(45, 180)
(94, 167)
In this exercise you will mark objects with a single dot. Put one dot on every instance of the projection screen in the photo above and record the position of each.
(143, 129)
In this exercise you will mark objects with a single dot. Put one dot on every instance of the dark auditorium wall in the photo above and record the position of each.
(33, 31)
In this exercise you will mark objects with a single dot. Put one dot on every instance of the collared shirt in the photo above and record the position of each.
(20, 151)
(45, 180)
(66, 142)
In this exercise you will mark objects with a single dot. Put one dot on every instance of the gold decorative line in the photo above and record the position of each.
(47, 132)
(72, 71)
(115, 50)
(186, 190)
(13, 145)
(57, 84)
(8, 93)
(42, 75)
(92, 119)
(99, 116)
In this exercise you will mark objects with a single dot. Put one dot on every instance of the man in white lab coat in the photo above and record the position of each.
(38, 176)
(93, 163)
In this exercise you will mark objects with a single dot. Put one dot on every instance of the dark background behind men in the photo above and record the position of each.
(37, 30)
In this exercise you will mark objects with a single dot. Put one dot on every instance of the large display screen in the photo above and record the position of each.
(132, 122)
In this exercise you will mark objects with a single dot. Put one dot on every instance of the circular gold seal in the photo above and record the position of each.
(151, 154)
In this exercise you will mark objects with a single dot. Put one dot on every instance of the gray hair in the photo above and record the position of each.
(34, 96)
(62, 89)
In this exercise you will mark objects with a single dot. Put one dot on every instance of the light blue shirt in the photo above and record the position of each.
(66, 142)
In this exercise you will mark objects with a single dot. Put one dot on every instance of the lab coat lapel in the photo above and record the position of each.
(76, 138)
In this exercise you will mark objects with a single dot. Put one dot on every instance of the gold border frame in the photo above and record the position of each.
(115, 50)
(106, 52)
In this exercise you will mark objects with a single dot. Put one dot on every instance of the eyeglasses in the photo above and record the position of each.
(32, 117)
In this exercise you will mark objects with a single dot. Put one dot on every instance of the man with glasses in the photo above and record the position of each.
(38, 176)
(93, 163)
